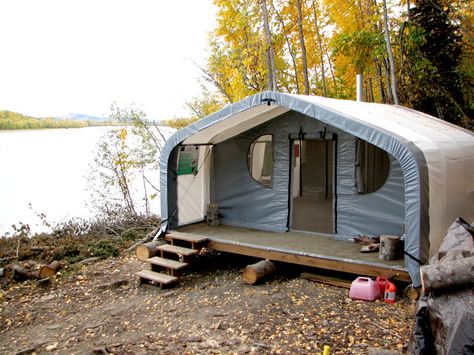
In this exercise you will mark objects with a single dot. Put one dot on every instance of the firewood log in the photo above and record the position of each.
(457, 273)
(390, 247)
(50, 270)
(255, 272)
(18, 273)
(148, 250)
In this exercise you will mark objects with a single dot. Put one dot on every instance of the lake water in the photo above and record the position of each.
(48, 169)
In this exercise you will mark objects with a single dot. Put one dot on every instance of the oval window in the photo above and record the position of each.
(260, 159)
(372, 167)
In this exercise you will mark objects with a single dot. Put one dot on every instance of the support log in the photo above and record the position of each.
(255, 272)
(390, 247)
(457, 273)
(148, 250)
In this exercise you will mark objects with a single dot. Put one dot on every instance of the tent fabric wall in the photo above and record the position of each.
(244, 202)
(436, 158)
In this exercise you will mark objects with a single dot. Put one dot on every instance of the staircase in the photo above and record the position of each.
(174, 258)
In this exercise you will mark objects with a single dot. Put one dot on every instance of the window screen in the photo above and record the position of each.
(260, 159)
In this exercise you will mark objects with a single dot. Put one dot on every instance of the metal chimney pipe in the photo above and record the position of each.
(359, 87)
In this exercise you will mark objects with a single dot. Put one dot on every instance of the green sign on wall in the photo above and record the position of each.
(188, 160)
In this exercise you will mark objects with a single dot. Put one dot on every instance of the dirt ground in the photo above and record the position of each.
(101, 309)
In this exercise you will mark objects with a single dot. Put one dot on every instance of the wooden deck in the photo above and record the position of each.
(321, 251)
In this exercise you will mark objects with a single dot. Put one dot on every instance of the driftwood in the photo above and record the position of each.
(148, 250)
(255, 272)
(390, 247)
(449, 274)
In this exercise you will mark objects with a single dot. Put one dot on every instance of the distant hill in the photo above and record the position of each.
(82, 117)
(13, 120)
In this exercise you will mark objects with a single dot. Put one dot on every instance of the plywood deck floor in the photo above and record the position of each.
(309, 249)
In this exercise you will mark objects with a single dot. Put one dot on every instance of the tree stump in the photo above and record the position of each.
(212, 217)
(389, 247)
(255, 272)
(449, 274)
(148, 250)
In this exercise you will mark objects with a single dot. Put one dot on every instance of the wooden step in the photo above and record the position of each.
(160, 278)
(177, 250)
(188, 237)
(170, 264)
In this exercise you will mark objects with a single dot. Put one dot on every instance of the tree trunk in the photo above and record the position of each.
(390, 54)
(321, 52)
(18, 273)
(378, 72)
(148, 250)
(271, 70)
(387, 78)
(449, 274)
(255, 272)
(303, 48)
(371, 91)
(288, 44)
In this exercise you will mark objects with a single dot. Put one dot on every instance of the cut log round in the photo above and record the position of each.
(148, 250)
(255, 272)
(212, 217)
(390, 247)
(50, 270)
(457, 273)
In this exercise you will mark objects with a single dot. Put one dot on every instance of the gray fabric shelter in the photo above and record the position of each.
(417, 144)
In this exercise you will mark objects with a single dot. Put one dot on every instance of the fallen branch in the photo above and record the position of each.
(39, 248)
(387, 330)
(89, 260)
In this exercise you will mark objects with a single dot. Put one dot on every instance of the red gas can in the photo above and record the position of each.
(390, 292)
(381, 283)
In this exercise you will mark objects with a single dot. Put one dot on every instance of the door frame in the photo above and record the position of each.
(320, 137)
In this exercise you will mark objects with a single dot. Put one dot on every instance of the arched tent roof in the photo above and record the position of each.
(437, 158)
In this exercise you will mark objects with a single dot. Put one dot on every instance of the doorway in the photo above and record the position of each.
(312, 185)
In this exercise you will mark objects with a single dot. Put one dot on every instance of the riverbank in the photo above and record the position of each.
(99, 307)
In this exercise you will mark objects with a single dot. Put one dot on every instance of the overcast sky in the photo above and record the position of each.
(77, 56)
